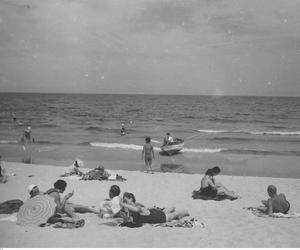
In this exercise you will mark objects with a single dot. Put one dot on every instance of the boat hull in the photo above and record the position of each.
(173, 148)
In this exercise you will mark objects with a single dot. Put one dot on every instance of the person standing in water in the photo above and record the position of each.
(26, 138)
(122, 131)
(148, 154)
(26, 141)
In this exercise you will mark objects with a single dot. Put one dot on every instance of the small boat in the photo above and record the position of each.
(174, 147)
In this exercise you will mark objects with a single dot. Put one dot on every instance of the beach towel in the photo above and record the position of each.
(192, 223)
(99, 174)
(258, 211)
(198, 195)
(10, 206)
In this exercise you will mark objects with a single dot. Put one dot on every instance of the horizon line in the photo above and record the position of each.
(89, 93)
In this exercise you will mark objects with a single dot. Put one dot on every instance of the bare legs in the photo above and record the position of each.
(176, 215)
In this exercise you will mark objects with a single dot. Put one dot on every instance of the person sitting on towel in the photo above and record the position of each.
(109, 208)
(277, 202)
(211, 188)
(63, 205)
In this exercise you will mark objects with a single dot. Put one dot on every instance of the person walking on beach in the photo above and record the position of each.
(148, 154)
(276, 203)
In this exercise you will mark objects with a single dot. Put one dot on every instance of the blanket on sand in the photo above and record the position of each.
(197, 194)
(258, 211)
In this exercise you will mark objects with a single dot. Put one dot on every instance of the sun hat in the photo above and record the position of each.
(30, 187)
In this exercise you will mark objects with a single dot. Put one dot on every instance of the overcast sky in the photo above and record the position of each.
(199, 47)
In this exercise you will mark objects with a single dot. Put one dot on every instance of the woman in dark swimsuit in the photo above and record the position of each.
(210, 188)
(141, 214)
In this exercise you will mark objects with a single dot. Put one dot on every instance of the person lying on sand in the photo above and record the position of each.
(74, 169)
(211, 188)
(109, 208)
(139, 214)
(276, 203)
(63, 206)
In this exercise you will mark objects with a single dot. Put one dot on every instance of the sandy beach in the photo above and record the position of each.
(226, 223)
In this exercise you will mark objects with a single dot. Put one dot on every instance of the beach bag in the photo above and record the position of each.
(10, 206)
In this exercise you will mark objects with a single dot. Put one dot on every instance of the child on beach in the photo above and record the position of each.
(110, 207)
(276, 203)
(148, 154)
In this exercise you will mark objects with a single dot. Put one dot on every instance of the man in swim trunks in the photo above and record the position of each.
(148, 154)
(276, 203)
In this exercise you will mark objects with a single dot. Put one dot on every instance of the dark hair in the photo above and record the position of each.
(216, 169)
(209, 172)
(129, 196)
(60, 184)
(272, 189)
(168, 133)
(114, 191)
(148, 139)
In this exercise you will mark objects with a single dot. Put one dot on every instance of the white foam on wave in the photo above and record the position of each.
(211, 131)
(204, 150)
(119, 145)
(155, 141)
(116, 145)
(7, 141)
(139, 147)
(275, 133)
(251, 132)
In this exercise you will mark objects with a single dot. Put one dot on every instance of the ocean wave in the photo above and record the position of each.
(116, 145)
(8, 141)
(285, 133)
(261, 152)
(204, 150)
(139, 147)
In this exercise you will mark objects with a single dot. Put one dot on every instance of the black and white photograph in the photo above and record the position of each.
(149, 123)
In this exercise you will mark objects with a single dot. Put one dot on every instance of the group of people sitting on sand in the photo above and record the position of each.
(134, 214)
(98, 173)
(277, 203)
(125, 209)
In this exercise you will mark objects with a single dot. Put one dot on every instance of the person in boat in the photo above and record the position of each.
(139, 214)
(168, 139)
(277, 203)
(148, 154)
(211, 188)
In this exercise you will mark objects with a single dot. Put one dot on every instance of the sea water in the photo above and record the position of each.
(220, 125)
